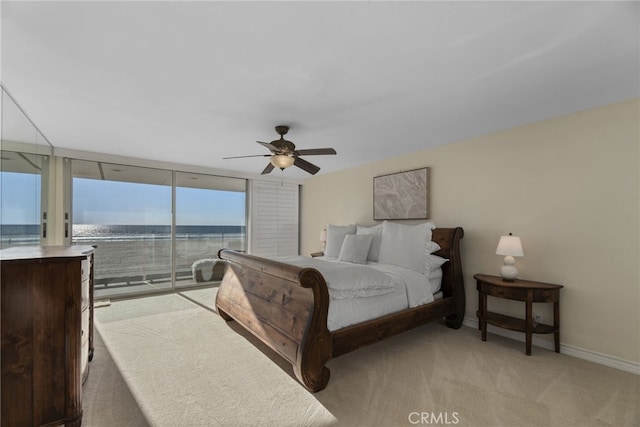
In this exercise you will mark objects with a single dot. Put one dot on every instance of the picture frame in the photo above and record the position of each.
(402, 195)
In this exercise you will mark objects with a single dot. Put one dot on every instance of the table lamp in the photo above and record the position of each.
(323, 238)
(509, 246)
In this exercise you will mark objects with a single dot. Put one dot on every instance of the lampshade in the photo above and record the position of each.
(509, 245)
(282, 161)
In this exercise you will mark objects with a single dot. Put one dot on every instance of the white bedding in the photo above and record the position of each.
(346, 280)
(346, 312)
(397, 288)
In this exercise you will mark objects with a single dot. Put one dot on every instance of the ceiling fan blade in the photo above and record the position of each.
(242, 157)
(268, 169)
(306, 166)
(315, 152)
(269, 146)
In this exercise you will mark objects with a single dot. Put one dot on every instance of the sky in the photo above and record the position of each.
(20, 198)
(115, 203)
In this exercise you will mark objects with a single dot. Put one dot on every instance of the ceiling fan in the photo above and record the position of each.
(284, 154)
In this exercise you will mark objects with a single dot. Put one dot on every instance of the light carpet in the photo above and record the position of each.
(184, 366)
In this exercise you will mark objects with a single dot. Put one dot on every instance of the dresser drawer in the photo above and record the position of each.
(86, 268)
(85, 294)
(84, 346)
(84, 335)
(84, 362)
(86, 272)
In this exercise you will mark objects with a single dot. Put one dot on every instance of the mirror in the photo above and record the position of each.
(24, 159)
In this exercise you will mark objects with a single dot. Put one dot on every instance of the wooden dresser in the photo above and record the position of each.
(47, 333)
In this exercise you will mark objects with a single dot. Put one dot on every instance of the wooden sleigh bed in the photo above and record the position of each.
(286, 307)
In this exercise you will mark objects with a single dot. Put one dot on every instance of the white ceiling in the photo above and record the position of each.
(192, 82)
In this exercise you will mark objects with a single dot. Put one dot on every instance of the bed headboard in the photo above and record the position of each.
(452, 279)
(449, 241)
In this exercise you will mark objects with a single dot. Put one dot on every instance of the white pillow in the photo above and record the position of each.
(376, 232)
(431, 247)
(335, 237)
(404, 245)
(432, 262)
(355, 248)
(430, 226)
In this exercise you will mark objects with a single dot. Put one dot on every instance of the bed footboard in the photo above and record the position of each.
(282, 305)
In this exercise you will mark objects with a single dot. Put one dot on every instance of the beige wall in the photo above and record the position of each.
(569, 187)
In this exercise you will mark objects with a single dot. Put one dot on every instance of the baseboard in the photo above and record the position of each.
(569, 350)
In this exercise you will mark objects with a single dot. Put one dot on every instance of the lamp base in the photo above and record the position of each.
(508, 271)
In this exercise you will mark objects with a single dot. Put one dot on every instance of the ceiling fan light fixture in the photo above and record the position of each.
(282, 161)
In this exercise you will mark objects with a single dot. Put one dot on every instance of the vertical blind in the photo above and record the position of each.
(274, 219)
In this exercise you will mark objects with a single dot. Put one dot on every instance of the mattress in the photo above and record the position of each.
(411, 290)
(346, 312)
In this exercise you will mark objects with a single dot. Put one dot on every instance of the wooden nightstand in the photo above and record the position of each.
(518, 290)
(317, 254)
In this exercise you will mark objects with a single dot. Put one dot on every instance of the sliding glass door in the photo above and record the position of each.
(126, 211)
(210, 215)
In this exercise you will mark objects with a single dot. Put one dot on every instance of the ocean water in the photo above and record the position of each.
(83, 232)
(139, 251)
(19, 234)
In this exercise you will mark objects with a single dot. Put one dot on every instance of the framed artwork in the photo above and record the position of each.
(403, 195)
